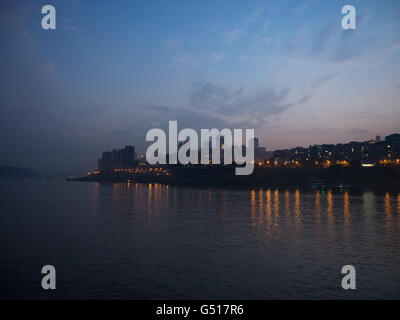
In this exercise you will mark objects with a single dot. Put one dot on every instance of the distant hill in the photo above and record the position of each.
(17, 173)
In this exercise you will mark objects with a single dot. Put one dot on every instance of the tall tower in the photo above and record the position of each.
(255, 143)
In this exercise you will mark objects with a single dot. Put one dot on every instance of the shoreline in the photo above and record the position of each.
(387, 178)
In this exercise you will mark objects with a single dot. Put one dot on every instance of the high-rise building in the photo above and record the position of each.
(118, 159)
(256, 143)
(107, 160)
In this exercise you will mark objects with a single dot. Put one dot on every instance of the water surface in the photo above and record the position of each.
(149, 241)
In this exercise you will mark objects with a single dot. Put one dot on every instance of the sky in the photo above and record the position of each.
(112, 70)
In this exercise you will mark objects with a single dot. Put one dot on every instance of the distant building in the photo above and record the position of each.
(393, 139)
(392, 146)
(260, 153)
(123, 158)
(105, 162)
(354, 153)
(367, 154)
(256, 143)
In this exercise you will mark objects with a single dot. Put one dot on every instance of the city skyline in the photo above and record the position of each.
(367, 153)
(289, 71)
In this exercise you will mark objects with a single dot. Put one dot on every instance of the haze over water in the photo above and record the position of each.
(149, 241)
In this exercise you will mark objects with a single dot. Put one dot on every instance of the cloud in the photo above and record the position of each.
(370, 53)
(346, 55)
(212, 97)
(266, 40)
(218, 56)
(250, 19)
(236, 107)
(185, 61)
(73, 31)
(321, 39)
(210, 106)
(233, 35)
(325, 79)
(386, 53)
(70, 19)
(157, 116)
(266, 25)
(304, 6)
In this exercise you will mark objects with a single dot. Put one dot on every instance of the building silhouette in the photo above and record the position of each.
(122, 158)
(353, 153)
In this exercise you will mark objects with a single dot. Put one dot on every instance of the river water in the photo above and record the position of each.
(151, 241)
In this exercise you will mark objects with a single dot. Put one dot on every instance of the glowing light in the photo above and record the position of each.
(366, 165)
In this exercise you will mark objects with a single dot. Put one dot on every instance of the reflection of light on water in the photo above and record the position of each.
(276, 202)
(388, 207)
(276, 208)
(156, 197)
(269, 209)
(264, 213)
(369, 208)
(330, 208)
(287, 203)
(388, 212)
(297, 208)
(318, 207)
(167, 195)
(398, 209)
(149, 198)
(346, 208)
(297, 204)
(261, 206)
(253, 207)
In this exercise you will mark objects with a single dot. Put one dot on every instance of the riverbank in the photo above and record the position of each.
(333, 177)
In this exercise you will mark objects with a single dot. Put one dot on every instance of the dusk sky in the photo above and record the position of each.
(112, 70)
